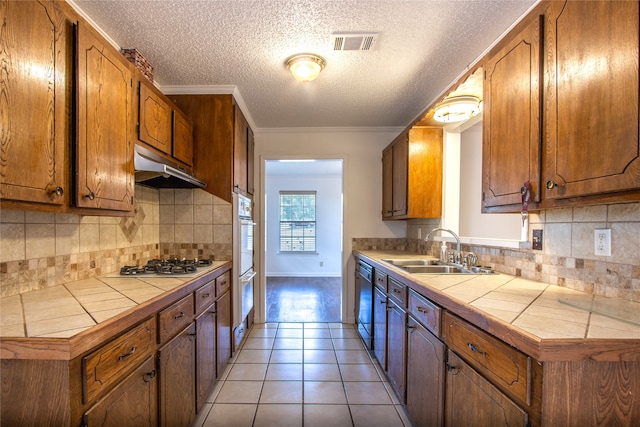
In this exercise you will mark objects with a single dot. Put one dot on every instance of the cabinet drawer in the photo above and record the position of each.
(425, 312)
(398, 292)
(205, 296)
(174, 318)
(222, 283)
(380, 280)
(112, 361)
(505, 366)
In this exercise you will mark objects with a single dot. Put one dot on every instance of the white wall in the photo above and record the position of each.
(361, 152)
(328, 227)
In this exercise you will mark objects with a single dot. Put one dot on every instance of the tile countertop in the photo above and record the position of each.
(64, 311)
(546, 321)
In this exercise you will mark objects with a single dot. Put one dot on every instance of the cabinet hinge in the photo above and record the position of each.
(483, 196)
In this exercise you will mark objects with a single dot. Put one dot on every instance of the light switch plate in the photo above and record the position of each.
(602, 241)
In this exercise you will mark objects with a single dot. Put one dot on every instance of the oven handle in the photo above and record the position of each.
(247, 222)
(251, 275)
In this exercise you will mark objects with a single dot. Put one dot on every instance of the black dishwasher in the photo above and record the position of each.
(364, 301)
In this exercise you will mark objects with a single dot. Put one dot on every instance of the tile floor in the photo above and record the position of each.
(302, 374)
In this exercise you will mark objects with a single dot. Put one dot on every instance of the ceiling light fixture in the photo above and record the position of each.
(305, 67)
(457, 109)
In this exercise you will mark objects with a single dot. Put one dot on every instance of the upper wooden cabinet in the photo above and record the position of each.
(104, 112)
(412, 175)
(36, 98)
(591, 100)
(511, 124)
(223, 143)
(161, 125)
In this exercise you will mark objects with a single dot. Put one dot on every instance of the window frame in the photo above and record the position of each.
(302, 223)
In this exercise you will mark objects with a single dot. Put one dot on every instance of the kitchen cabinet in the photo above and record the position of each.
(380, 327)
(177, 382)
(472, 400)
(161, 125)
(591, 102)
(396, 340)
(206, 354)
(105, 176)
(412, 175)
(425, 376)
(223, 332)
(251, 148)
(222, 140)
(132, 402)
(511, 146)
(37, 96)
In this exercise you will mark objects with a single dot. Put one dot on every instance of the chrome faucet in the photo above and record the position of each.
(443, 250)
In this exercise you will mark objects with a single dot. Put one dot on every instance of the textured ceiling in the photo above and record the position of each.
(422, 47)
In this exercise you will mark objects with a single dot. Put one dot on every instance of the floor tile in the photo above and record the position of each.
(324, 392)
(321, 372)
(253, 356)
(248, 372)
(288, 344)
(263, 332)
(352, 356)
(375, 416)
(232, 414)
(281, 392)
(258, 343)
(343, 333)
(289, 333)
(239, 392)
(359, 372)
(318, 343)
(293, 325)
(319, 356)
(327, 415)
(316, 325)
(347, 344)
(286, 356)
(284, 371)
(278, 416)
(362, 393)
(317, 333)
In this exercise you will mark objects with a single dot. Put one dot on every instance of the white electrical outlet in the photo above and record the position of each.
(603, 241)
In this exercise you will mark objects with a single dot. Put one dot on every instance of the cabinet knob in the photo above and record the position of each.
(149, 376)
(58, 191)
(551, 184)
(90, 196)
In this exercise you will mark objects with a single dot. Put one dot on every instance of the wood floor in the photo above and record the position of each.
(304, 299)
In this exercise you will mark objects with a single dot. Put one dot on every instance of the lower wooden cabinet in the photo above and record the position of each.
(205, 354)
(133, 402)
(471, 400)
(425, 376)
(177, 370)
(223, 332)
(396, 347)
(380, 326)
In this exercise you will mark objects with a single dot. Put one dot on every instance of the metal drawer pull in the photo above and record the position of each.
(179, 315)
(124, 356)
(397, 291)
(90, 196)
(206, 295)
(424, 310)
(149, 376)
(58, 191)
(473, 348)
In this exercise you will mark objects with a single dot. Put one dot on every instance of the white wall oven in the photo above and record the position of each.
(243, 226)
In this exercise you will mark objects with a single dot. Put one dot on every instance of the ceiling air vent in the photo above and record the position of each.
(353, 41)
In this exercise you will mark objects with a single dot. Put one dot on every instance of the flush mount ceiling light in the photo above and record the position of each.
(457, 109)
(305, 67)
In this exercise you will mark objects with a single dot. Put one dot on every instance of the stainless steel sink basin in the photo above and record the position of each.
(434, 269)
(433, 266)
(400, 262)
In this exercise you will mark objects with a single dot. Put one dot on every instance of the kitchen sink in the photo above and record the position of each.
(433, 266)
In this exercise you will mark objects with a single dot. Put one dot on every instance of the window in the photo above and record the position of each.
(297, 221)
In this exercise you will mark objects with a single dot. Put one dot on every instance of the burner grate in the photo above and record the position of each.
(171, 266)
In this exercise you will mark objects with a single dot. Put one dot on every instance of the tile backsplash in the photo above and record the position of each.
(567, 258)
(39, 250)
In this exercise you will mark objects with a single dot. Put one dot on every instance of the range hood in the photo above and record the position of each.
(155, 171)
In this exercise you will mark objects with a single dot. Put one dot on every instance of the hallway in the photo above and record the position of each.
(302, 374)
(303, 299)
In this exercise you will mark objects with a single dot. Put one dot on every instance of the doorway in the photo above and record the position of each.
(303, 240)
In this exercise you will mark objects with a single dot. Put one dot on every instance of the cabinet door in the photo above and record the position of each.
(591, 98)
(387, 183)
(223, 332)
(240, 152)
(425, 376)
(396, 348)
(177, 366)
(205, 353)
(471, 400)
(400, 174)
(182, 138)
(132, 402)
(36, 78)
(380, 326)
(104, 140)
(511, 146)
(154, 118)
